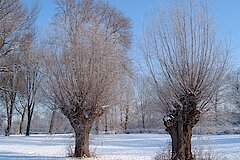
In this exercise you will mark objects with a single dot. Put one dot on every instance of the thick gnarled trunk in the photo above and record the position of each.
(181, 135)
(82, 124)
(176, 131)
(82, 141)
(179, 125)
(82, 127)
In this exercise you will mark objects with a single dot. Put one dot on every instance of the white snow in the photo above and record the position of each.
(110, 147)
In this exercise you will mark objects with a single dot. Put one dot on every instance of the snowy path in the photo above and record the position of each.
(110, 147)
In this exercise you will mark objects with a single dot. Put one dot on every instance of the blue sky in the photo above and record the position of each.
(226, 15)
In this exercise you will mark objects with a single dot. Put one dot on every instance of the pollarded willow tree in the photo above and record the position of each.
(89, 41)
(187, 65)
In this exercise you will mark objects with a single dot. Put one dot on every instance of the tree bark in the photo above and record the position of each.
(174, 136)
(143, 120)
(179, 125)
(181, 138)
(9, 125)
(126, 118)
(21, 121)
(188, 139)
(82, 141)
(30, 113)
(28, 126)
(9, 109)
(106, 123)
(176, 130)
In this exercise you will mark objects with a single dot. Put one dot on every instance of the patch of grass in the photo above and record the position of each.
(199, 153)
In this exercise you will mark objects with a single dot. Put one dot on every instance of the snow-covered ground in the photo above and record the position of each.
(110, 147)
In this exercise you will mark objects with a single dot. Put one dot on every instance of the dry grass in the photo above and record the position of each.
(199, 153)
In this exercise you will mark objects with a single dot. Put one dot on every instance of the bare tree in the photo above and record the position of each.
(121, 110)
(16, 31)
(187, 65)
(90, 43)
(10, 82)
(234, 89)
(16, 23)
(13, 88)
(22, 110)
(117, 118)
(142, 99)
(33, 77)
(233, 96)
(21, 106)
(145, 110)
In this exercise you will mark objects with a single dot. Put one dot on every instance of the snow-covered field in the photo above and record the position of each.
(110, 147)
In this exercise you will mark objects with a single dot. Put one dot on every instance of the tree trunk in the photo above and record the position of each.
(143, 115)
(176, 131)
(188, 142)
(181, 135)
(9, 115)
(143, 120)
(174, 136)
(21, 121)
(82, 141)
(30, 109)
(29, 122)
(52, 122)
(9, 125)
(126, 118)
(106, 124)
(121, 119)
(28, 127)
(179, 125)
(181, 138)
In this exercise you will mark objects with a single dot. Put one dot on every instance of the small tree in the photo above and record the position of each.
(33, 78)
(22, 110)
(187, 66)
(89, 62)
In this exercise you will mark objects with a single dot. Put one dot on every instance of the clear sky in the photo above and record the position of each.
(226, 14)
